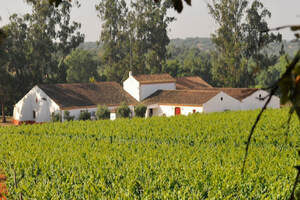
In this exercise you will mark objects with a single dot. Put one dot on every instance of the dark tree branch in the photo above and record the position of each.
(292, 27)
(292, 197)
(273, 91)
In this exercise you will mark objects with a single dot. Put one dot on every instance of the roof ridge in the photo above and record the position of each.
(151, 74)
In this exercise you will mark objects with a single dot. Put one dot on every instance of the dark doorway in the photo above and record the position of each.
(150, 112)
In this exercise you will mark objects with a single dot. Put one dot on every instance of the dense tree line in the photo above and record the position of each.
(35, 48)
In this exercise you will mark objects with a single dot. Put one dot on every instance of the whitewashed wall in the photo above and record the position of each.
(254, 101)
(216, 104)
(76, 112)
(147, 89)
(169, 110)
(132, 86)
(141, 91)
(23, 110)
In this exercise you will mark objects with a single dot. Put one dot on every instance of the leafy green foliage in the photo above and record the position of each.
(140, 110)
(270, 75)
(56, 117)
(67, 116)
(102, 112)
(238, 44)
(84, 115)
(81, 66)
(157, 158)
(37, 44)
(123, 111)
(134, 39)
(289, 85)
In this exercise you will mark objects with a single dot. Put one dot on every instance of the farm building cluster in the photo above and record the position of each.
(162, 94)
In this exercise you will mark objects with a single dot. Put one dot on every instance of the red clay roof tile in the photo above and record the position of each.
(79, 95)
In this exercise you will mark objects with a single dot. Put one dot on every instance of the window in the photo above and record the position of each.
(260, 98)
(33, 114)
(93, 113)
(44, 99)
(221, 98)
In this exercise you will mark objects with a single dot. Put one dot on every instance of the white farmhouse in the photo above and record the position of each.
(162, 94)
(41, 101)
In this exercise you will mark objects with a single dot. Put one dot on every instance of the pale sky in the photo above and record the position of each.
(194, 21)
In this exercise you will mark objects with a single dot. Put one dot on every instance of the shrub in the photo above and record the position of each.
(56, 117)
(84, 115)
(140, 110)
(102, 112)
(67, 116)
(123, 110)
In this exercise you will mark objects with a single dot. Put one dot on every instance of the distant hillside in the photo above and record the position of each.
(206, 44)
(197, 42)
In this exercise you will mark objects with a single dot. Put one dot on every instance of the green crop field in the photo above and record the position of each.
(193, 157)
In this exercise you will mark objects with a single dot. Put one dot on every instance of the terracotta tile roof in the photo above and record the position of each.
(78, 95)
(191, 83)
(237, 93)
(154, 78)
(180, 97)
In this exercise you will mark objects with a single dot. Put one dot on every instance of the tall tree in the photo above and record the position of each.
(150, 23)
(115, 38)
(256, 41)
(237, 42)
(38, 42)
(5, 83)
(228, 64)
(134, 39)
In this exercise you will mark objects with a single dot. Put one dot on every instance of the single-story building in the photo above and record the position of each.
(42, 100)
(184, 102)
(250, 98)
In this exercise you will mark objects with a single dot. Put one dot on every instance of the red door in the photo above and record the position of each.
(177, 111)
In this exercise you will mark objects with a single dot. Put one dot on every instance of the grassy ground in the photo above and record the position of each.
(184, 157)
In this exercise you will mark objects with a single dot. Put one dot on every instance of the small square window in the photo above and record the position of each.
(260, 98)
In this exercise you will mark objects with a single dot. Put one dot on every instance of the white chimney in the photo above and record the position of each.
(130, 73)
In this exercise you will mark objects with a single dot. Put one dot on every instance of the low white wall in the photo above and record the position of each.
(255, 101)
(36, 101)
(221, 102)
(169, 110)
(76, 112)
